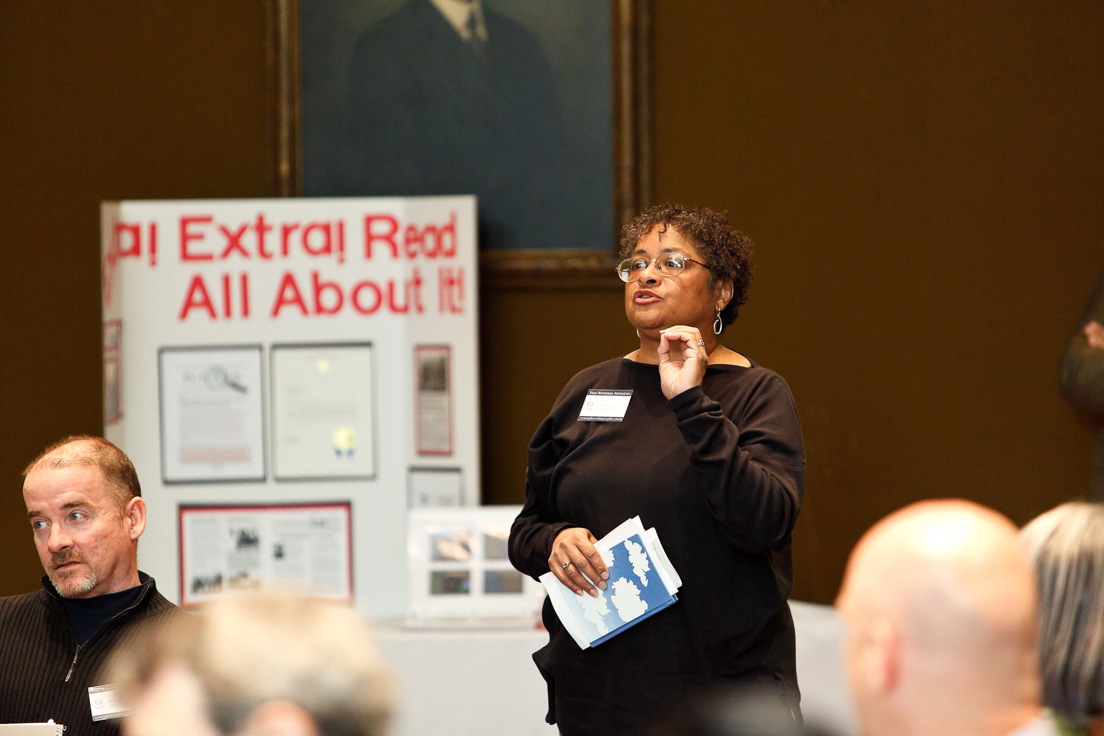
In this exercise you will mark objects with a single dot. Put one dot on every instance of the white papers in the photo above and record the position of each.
(212, 415)
(322, 411)
(228, 548)
(31, 729)
(642, 582)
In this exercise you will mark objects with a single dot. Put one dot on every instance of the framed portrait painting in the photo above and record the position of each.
(538, 107)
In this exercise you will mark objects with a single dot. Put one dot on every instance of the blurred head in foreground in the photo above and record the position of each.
(261, 665)
(940, 605)
(1067, 547)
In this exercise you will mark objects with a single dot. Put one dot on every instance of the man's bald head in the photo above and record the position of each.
(939, 564)
(85, 450)
(940, 602)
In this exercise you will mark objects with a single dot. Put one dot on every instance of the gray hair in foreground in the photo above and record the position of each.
(1067, 547)
(251, 649)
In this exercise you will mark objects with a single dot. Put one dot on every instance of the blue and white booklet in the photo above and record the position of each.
(641, 583)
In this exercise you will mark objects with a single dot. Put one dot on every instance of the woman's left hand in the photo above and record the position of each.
(682, 359)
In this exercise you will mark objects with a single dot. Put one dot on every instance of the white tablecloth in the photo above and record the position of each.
(482, 682)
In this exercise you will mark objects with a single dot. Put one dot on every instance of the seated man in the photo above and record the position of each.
(940, 604)
(86, 513)
(257, 666)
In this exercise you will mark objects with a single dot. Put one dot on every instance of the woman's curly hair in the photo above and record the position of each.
(727, 252)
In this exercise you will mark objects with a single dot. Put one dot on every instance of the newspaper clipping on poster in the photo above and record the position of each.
(224, 549)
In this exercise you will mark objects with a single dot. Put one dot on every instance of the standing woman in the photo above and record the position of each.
(709, 452)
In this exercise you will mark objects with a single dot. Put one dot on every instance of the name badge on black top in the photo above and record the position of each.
(603, 405)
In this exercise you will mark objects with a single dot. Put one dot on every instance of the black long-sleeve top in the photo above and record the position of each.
(719, 472)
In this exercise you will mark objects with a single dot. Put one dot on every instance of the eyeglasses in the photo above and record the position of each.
(669, 265)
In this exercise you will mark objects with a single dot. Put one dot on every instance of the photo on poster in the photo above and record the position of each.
(433, 402)
(450, 582)
(502, 582)
(112, 347)
(434, 487)
(225, 549)
(454, 545)
(212, 414)
(323, 413)
(496, 544)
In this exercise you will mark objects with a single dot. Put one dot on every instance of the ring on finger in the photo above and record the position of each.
(701, 343)
(566, 565)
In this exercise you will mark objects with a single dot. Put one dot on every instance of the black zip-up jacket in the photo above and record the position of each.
(45, 674)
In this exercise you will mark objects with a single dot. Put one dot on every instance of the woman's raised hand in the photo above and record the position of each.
(682, 359)
(573, 556)
(1094, 332)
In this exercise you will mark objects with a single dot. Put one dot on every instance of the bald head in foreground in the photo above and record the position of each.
(257, 665)
(940, 603)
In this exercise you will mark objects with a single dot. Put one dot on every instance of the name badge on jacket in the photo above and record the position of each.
(104, 702)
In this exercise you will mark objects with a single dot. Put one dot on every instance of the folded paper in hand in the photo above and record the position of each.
(641, 583)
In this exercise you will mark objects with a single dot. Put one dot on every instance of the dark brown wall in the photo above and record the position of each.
(922, 179)
(104, 100)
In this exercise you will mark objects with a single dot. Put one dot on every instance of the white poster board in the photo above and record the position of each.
(282, 352)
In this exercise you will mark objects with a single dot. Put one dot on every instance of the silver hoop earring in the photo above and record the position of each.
(718, 325)
(638, 333)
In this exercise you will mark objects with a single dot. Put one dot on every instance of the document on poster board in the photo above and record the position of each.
(322, 412)
(435, 487)
(433, 402)
(231, 548)
(212, 414)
